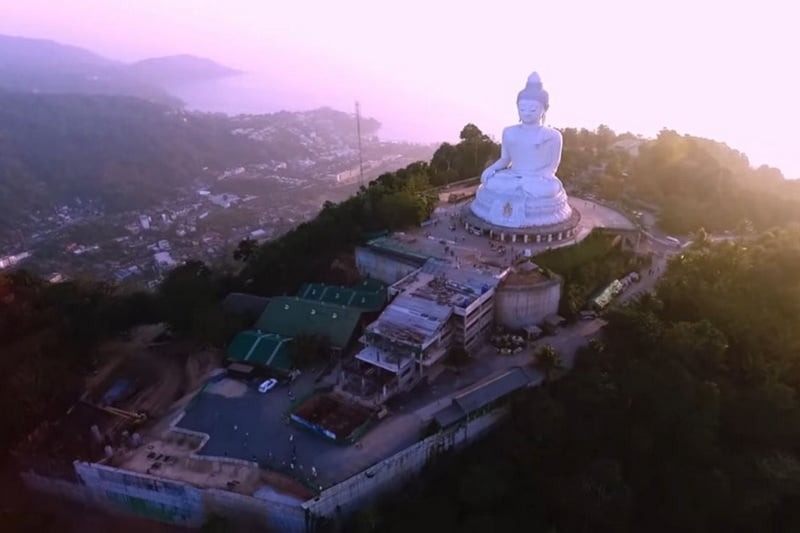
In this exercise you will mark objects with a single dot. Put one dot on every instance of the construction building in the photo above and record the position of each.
(435, 308)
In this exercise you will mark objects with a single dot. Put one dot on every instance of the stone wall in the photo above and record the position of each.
(517, 306)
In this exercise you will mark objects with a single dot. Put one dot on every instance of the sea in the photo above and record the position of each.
(403, 117)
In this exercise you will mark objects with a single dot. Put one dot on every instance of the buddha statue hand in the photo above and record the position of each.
(486, 174)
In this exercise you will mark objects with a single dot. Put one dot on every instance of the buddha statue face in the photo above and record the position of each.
(530, 111)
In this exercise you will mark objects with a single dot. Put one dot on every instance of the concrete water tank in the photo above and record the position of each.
(525, 298)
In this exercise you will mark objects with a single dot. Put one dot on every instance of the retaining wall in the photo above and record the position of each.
(147, 496)
(126, 492)
(385, 267)
(247, 510)
(365, 487)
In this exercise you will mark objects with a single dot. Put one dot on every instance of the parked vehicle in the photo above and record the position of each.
(267, 386)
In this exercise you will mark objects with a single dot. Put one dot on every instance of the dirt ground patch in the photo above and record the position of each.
(153, 374)
(332, 414)
(229, 388)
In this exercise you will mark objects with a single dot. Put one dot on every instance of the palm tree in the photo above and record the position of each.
(548, 361)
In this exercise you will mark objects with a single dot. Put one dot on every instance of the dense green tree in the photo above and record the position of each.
(245, 250)
(684, 417)
(548, 361)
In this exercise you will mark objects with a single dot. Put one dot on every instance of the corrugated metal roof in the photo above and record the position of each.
(447, 284)
(469, 278)
(487, 392)
(371, 284)
(291, 316)
(411, 319)
(369, 300)
(260, 349)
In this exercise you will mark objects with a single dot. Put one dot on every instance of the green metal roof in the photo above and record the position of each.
(368, 300)
(292, 316)
(261, 349)
(370, 284)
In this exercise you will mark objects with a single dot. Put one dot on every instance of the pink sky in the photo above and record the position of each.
(720, 69)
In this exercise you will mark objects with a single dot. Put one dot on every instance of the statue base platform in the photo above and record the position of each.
(564, 230)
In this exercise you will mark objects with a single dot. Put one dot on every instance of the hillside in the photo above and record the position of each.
(42, 66)
(18, 52)
(121, 153)
(179, 69)
(700, 182)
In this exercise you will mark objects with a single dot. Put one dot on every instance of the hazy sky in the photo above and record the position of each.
(722, 69)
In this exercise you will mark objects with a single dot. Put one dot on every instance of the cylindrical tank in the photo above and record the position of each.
(526, 298)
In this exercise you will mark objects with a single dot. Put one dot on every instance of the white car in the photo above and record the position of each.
(267, 385)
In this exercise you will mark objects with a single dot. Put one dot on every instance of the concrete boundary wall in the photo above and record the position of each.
(389, 474)
(147, 496)
(126, 492)
(249, 510)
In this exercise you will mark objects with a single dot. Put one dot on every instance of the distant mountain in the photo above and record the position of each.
(178, 69)
(25, 53)
(43, 66)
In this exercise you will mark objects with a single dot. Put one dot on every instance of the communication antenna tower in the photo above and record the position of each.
(360, 157)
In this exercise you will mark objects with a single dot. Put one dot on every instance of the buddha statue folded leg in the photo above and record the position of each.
(543, 187)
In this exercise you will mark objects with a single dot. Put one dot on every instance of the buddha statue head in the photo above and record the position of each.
(532, 101)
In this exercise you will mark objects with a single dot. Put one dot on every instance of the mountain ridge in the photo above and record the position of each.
(46, 66)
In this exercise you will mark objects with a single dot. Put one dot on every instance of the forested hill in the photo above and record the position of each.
(164, 71)
(693, 182)
(700, 182)
(48, 67)
(124, 153)
(685, 417)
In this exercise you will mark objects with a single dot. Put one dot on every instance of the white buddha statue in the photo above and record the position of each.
(521, 188)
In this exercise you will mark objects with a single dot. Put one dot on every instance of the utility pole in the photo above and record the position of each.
(360, 156)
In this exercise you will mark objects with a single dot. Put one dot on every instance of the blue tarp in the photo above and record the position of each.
(117, 390)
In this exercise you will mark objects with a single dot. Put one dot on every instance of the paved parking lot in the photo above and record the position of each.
(448, 234)
(245, 424)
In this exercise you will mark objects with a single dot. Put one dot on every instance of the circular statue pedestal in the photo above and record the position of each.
(532, 234)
